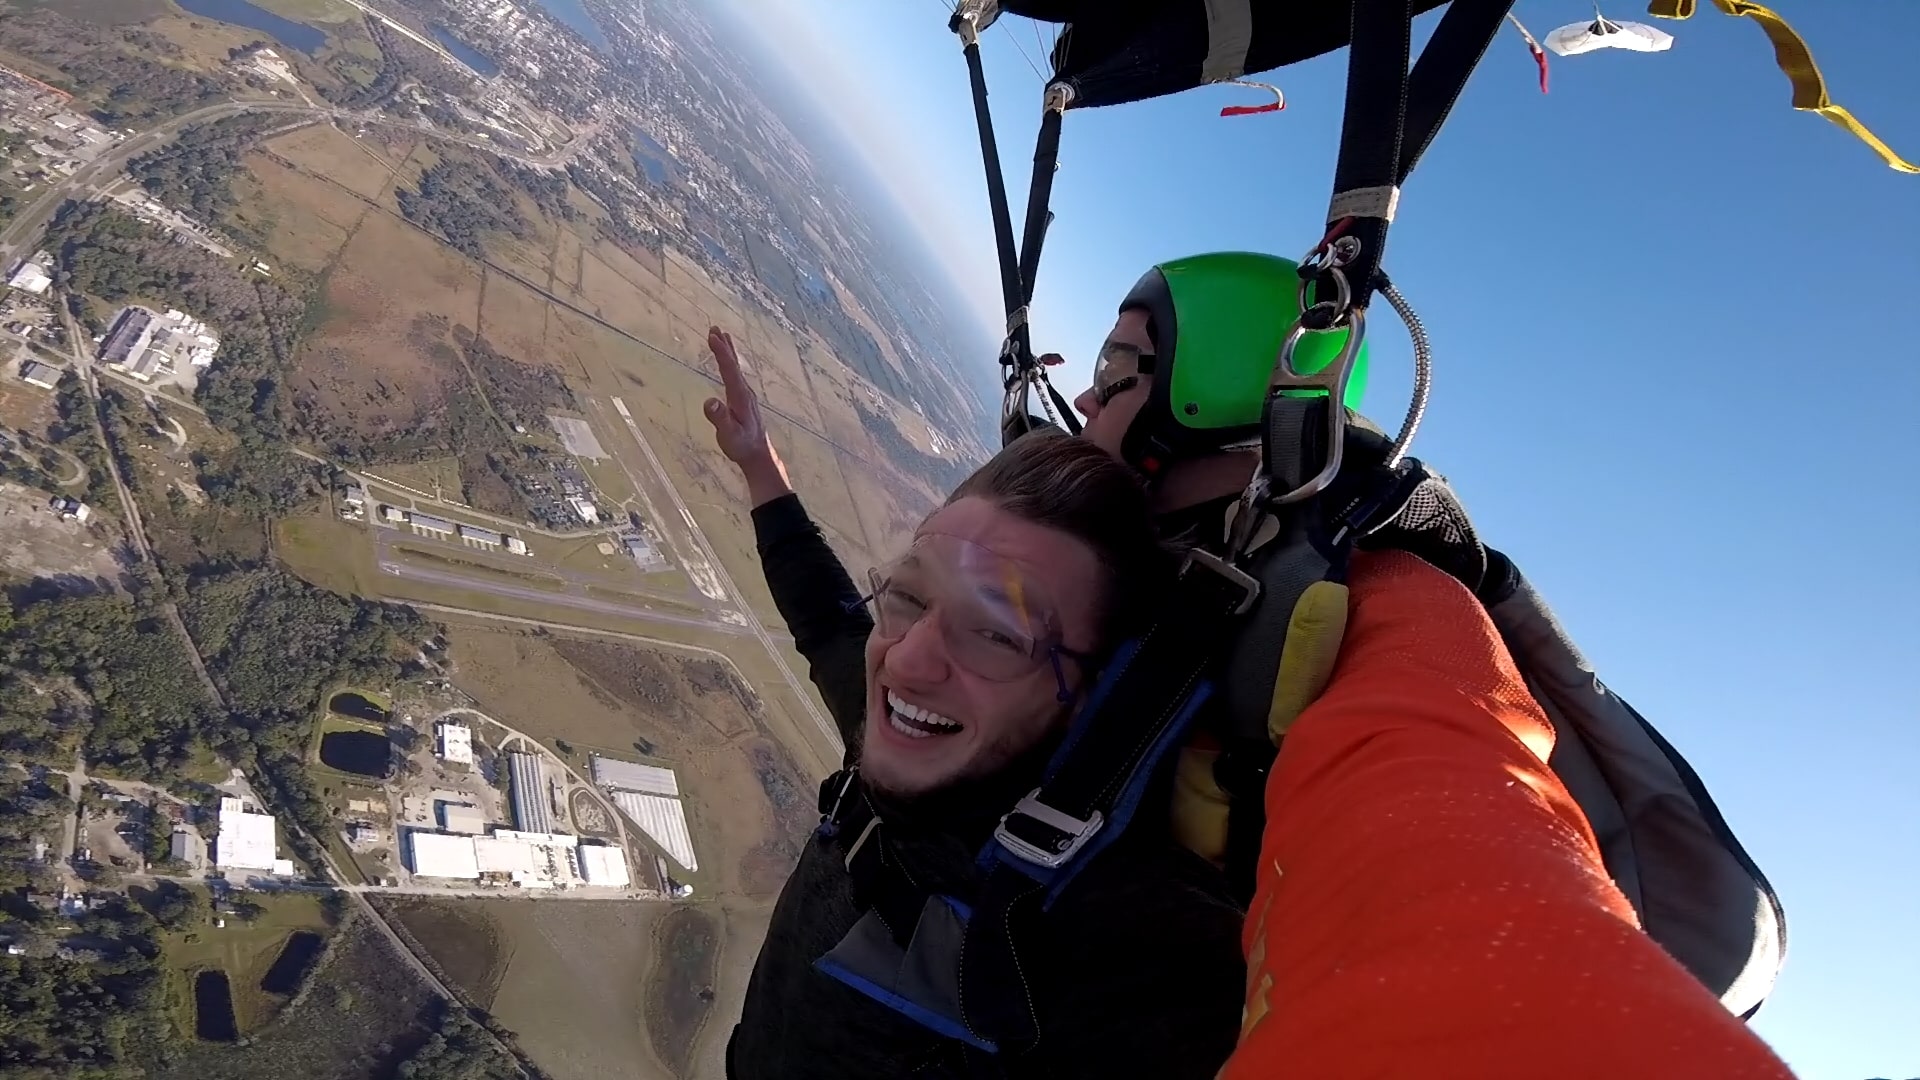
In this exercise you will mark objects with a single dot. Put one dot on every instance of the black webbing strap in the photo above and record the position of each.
(1134, 721)
(852, 830)
(1011, 290)
(1392, 115)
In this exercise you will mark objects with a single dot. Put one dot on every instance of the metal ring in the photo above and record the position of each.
(1333, 379)
(1343, 291)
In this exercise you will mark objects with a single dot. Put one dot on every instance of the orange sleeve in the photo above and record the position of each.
(1431, 901)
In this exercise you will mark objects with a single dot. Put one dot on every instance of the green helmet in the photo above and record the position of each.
(1217, 323)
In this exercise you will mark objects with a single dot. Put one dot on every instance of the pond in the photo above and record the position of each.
(363, 753)
(480, 62)
(653, 158)
(213, 1008)
(295, 958)
(359, 708)
(574, 14)
(294, 35)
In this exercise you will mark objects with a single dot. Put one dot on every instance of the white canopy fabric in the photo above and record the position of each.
(1604, 33)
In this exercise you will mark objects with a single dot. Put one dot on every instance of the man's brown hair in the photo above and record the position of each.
(1074, 487)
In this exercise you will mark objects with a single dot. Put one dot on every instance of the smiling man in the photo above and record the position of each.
(953, 673)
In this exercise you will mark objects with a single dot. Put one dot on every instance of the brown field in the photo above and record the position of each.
(385, 360)
(569, 979)
(327, 151)
(513, 318)
(26, 408)
(465, 940)
(305, 221)
(204, 41)
(434, 474)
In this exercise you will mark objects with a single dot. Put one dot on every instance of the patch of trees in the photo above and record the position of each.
(149, 710)
(463, 203)
(548, 190)
(121, 70)
(98, 1012)
(107, 254)
(458, 1049)
(74, 432)
(196, 170)
(30, 811)
(260, 478)
(273, 642)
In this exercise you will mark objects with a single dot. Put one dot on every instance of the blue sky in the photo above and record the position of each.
(1677, 379)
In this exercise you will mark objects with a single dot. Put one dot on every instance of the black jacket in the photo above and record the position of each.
(1144, 977)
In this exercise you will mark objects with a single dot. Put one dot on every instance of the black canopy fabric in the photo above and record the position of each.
(1115, 51)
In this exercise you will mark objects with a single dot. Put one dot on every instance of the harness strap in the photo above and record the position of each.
(1393, 115)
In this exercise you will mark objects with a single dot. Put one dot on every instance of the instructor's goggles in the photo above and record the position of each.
(1119, 369)
(994, 617)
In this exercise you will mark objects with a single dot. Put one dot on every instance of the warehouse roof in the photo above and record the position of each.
(441, 856)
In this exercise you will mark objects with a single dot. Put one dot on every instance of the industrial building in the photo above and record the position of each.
(246, 840)
(44, 376)
(31, 277)
(430, 524)
(532, 812)
(603, 865)
(588, 512)
(456, 742)
(517, 546)
(641, 551)
(392, 513)
(650, 797)
(144, 343)
(353, 495)
(664, 820)
(463, 818)
(525, 860)
(484, 537)
(633, 776)
(438, 855)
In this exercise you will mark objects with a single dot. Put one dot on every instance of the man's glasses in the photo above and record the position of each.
(996, 626)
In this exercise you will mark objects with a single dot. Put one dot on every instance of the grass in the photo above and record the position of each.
(433, 475)
(680, 984)
(464, 939)
(476, 568)
(327, 552)
(311, 11)
(244, 951)
(362, 1012)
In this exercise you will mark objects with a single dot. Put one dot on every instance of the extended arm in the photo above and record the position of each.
(1431, 898)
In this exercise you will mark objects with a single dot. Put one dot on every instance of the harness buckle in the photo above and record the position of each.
(1248, 585)
(1052, 853)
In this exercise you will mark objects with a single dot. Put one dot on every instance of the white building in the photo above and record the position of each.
(483, 537)
(246, 840)
(604, 866)
(517, 546)
(456, 742)
(31, 277)
(463, 818)
(392, 513)
(437, 855)
(584, 507)
(427, 523)
(664, 819)
(354, 495)
(143, 343)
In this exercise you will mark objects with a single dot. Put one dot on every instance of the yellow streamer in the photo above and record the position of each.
(1795, 60)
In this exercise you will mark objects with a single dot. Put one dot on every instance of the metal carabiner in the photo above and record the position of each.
(1333, 380)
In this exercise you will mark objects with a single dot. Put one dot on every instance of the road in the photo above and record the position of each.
(136, 529)
(719, 569)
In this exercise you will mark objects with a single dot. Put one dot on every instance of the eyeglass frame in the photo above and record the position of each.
(1055, 649)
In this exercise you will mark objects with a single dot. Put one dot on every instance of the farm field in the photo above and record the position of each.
(573, 981)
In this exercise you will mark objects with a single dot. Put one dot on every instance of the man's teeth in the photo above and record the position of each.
(915, 722)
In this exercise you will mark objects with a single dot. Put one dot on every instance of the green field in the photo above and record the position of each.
(245, 951)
